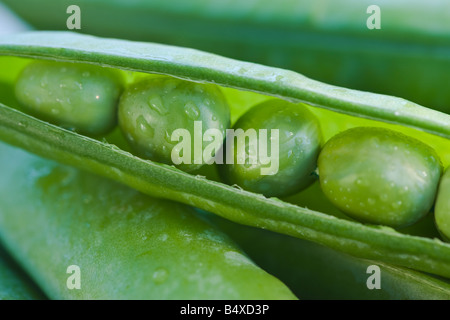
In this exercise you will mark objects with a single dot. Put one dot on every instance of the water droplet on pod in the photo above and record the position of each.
(160, 275)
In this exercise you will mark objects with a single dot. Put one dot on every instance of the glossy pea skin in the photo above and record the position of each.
(151, 110)
(299, 145)
(379, 176)
(76, 96)
(442, 207)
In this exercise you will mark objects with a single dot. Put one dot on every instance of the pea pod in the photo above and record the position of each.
(122, 244)
(14, 284)
(328, 40)
(242, 83)
(305, 267)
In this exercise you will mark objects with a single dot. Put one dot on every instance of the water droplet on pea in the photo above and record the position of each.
(168, 137)
(191, 110)
(144, 126)
(169, 86)
(156, 104)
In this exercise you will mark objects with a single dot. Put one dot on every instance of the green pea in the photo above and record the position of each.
(442, 207)
(76, 96)
(291, 164)
(152, 109)
(379, 175)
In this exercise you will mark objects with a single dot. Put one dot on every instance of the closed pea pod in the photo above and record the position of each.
(305, 267)
(125, 245)
(76, 96)
(379, 175)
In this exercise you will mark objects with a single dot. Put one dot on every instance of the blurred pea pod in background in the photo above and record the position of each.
(126, 245)
(313, 271)
(409, 56)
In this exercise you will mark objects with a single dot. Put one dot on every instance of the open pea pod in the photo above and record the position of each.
(243, 84)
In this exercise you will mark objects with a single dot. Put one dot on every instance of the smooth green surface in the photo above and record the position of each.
(292, 162)
(78, 97)
(442, 207)
(14, 284)
(241, 83)
(313, 271)
(379, 175)
(205, 67)
(127, 245)
(152, 110)
(327, 40)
